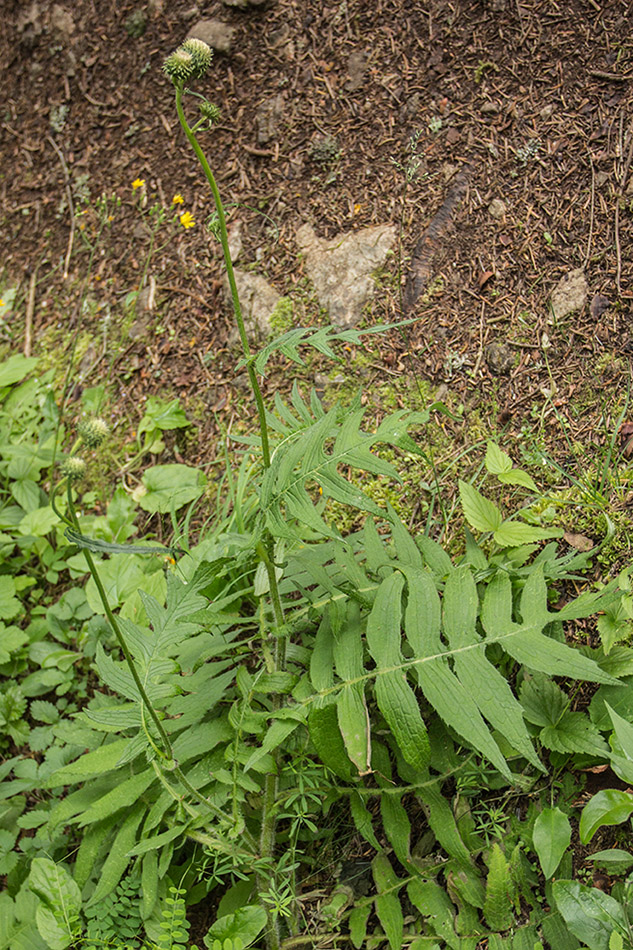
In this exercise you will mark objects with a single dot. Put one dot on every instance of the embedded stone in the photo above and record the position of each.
(341, 268)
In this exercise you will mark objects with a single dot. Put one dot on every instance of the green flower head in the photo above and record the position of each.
(190, 61)
(93, 431)
(201, 54)
(74, 468)
(210, 111)
(179, 66)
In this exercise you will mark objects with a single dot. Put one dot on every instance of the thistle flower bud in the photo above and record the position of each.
(190, 61)
(210, 111)
(74, 468)
(201, 54)
(179, 66)
(93, 431)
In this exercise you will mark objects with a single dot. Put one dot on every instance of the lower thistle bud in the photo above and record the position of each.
(73, 468)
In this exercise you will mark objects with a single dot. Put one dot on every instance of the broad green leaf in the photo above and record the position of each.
(589, 913)
(103, 759)
(245, 925)
(16, 368)
(608, 807)
(358, 925)
(57, 916)
(435, 905)
(440, 686)
(38, 522)
(353, 717)
(497, 461)
(387, 903)
(551, 837)
(326, 736)
(574, 732)
(511, 534)
(518, 477)
(10, 606)
(623, 731)
(18, 929)
(613, 860)
(169, 487)
(480, 513)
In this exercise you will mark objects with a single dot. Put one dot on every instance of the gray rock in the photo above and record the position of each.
(215, 33)
(497, 209)
(268, 116)
(356, 69)
(62, 23)
(257, 297)
(341, 268)
(500, 358)
(570, 294)
(235, 240)
(243, 4)
(490, 108)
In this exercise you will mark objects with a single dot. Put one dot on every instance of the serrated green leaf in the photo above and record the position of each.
(117, 860)
(388, 909)
(496, 460)
(574, 732)
(480, 513)
(362, 820)
(497, 905)
(518, 477)
(396, 700)
(551, 837)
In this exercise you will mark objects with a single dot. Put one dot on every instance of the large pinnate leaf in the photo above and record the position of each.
(441, 687)
(488, 687)
(312, 453)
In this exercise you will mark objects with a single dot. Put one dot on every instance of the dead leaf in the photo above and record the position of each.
(484, 277)
(598, 306)
(579, 541)
(626, 439)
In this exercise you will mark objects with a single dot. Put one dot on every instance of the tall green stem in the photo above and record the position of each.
(265, 548)
(237, 309)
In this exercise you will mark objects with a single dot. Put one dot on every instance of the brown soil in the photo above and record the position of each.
(525, 101)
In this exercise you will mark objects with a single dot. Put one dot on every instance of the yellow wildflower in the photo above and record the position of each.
(177, 199)
(187, 220)
(138, 183)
